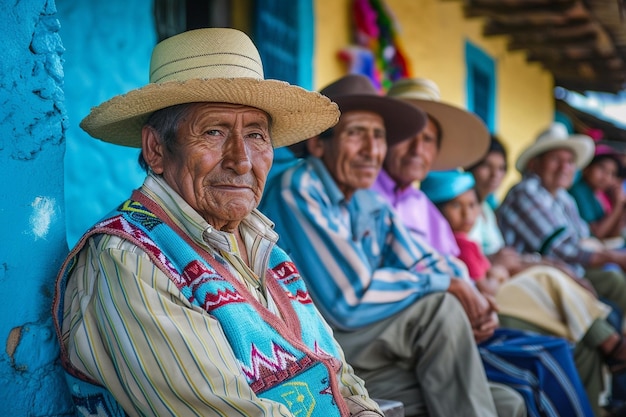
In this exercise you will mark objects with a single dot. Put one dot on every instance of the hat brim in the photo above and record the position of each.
(464, 137)
(402, 120)
(582, 146)
(296, 113)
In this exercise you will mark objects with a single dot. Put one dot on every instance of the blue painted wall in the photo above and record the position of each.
(58, 60)
(32, 244)
(108, 46)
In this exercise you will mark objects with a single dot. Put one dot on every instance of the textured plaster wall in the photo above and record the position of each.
(31, 207)
(58, 60)
(108, 46)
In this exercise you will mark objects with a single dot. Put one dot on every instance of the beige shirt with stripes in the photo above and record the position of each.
(130, 328)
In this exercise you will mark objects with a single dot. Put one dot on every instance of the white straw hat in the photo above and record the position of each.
(464, 137)
(557, 137)
(218, 65)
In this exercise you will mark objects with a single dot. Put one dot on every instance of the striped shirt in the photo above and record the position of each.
(533, 220)
(129, 327)
(360, 263)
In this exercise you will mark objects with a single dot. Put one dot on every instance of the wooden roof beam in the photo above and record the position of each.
(566, 53)
(570, 29)
(584, 42)
(516, 6)
(580, 85)
(537, 14)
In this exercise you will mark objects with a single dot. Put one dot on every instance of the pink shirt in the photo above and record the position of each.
(418, 214)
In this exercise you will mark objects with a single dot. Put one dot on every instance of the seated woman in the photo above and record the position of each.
(599, 195)
(540, 298)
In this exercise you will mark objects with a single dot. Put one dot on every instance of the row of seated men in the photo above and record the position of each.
(382, 261)
(183, 301)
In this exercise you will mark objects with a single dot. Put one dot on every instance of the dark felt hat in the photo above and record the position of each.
(356, 92)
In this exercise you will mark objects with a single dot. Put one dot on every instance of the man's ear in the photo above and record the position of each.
(152, 149)
(315, 146)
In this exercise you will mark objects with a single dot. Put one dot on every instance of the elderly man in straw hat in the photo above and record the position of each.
(385, 294)
(179, 303)
(539, 216)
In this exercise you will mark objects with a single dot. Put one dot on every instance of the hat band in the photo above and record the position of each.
(411, 91)
(214, 65)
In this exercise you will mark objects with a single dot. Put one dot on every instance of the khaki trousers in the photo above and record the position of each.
(426, 357)
(609, 284)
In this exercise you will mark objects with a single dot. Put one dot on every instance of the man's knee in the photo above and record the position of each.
(508, 402)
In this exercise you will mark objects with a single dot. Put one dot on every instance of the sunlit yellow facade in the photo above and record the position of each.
(433, 34)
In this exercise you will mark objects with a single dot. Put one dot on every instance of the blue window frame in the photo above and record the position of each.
(481, 84)
(283, 32)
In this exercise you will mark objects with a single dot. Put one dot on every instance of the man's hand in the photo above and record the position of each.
(481, 310)
(508, 258)
(485, 330)
(475, 305)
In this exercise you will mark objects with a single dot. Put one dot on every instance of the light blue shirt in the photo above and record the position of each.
(360, 263)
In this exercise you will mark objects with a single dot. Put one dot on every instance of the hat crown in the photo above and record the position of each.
(556, 131)
(415, 89)
(205, 54)
(350, 85)
(442, 186)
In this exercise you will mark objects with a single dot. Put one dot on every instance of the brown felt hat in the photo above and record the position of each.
(356, 92)
(217, 65)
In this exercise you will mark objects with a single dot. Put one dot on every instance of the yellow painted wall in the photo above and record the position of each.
(433, 34)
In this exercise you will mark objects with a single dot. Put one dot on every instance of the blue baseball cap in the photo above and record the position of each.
(442, 186)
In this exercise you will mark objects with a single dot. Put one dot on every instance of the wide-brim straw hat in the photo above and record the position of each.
(356, 92)
(218, 65)
(443, 186)
(464, 137)
(554, 137)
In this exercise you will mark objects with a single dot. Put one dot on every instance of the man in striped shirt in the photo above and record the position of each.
(539, 216)
(399, 309)
(179, 303)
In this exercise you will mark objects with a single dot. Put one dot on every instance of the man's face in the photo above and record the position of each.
(355, 153)
(411, 159)
(489, 173)
(219, 161)
(555, 168)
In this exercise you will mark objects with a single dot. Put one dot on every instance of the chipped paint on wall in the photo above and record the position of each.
(43, 213)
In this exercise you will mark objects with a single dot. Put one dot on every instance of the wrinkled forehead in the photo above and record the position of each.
(209, 108)
(558, 153)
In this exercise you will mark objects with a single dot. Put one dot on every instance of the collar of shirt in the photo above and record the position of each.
(256, 229)
(388, 188)
(332, 190)
(360, 212)
(533, 183)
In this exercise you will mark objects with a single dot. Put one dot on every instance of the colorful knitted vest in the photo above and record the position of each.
(292, 361)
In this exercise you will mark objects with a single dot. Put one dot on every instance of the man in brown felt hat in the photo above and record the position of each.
(395, 305)
(179, 303)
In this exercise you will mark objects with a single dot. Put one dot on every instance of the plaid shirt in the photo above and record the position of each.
(533, 220)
